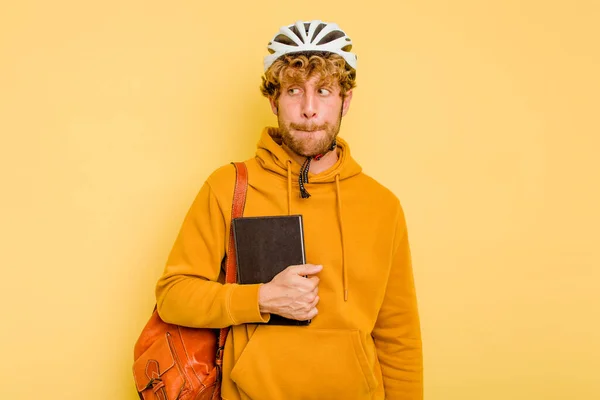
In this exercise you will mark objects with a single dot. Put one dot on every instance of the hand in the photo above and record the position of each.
(290, 294)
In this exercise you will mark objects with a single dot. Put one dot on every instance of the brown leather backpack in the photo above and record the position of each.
(173, 362)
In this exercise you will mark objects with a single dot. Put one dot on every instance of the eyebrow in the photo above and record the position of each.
(289, 81)
(326, 82)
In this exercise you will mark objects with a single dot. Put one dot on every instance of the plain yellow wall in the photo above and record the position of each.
(483, 117)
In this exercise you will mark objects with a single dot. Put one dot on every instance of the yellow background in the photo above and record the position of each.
(483, 117)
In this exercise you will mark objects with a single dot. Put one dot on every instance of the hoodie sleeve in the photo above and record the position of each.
(397, 332)
(188, 293)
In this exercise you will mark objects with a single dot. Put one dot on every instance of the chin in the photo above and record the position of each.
(312, 152)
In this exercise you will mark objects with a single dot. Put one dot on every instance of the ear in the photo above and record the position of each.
(346, 103)
(273, 105)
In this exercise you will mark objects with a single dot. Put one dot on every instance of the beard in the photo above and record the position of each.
(313, 140)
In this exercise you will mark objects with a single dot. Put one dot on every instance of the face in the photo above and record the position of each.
(309, 115)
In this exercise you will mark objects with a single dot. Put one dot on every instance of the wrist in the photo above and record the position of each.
(263, 296)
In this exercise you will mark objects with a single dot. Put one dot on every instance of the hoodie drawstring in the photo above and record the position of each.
(339, 206)
(289, 186)
(303, 178)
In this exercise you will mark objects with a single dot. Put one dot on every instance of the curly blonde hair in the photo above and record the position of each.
(299, 67)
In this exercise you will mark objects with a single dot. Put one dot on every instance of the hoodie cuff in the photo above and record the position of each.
(243, 305)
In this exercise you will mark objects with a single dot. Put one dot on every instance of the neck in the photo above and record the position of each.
(326, 162)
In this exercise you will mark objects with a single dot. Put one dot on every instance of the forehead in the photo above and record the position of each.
(313, 79)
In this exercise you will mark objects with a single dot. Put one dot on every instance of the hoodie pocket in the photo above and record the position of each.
(304, 363)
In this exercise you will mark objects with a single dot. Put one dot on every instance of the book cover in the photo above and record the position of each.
(265, 246)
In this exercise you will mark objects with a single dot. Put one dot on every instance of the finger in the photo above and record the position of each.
(314, 302)
(312, 313)
(314, 281)
(306, 269)
(305, 285)
(308, 302)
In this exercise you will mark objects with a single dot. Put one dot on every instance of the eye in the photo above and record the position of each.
(293, 91)
(324, 91)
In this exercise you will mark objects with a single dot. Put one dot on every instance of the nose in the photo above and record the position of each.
(309, 106)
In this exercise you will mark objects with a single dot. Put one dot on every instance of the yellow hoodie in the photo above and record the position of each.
(365, 342)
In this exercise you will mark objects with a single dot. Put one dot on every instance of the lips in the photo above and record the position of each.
(307, 129)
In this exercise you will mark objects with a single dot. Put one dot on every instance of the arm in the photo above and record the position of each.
(188, 293)
(397, 332)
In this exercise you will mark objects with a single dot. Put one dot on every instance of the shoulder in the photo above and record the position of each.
(222, 181)
(386, 204)
(224, 175)
(373, 191)
(379, 201)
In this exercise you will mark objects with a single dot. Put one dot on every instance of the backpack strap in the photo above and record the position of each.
(237, 210)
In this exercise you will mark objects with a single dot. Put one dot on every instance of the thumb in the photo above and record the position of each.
(307, 269)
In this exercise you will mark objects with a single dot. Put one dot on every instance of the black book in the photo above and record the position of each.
(264, 247)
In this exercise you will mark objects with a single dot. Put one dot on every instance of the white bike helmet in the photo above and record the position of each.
(310, 36)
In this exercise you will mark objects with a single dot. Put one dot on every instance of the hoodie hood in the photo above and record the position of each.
(273, 157)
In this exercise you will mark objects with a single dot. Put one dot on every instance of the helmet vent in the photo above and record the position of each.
(285, 40)
(296, 32)
(317, 31)
(331, 36)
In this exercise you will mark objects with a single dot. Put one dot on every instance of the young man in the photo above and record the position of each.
(364, 341)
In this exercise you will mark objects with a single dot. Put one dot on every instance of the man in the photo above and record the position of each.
(364, 341)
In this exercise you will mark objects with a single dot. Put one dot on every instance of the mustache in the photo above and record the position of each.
(308, 128)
